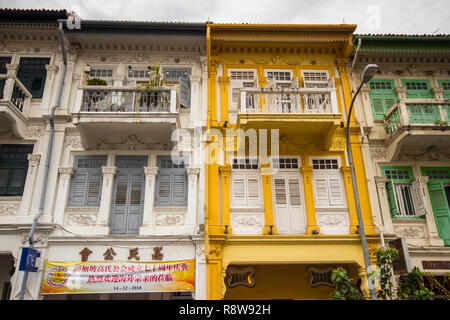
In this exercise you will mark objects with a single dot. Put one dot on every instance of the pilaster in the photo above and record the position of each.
(309, 200)
(192, 174)
(225, 200)
(353, 215)
(149, 196)
(30, 182)
(65, 174)
(269, 224)
(105, 203)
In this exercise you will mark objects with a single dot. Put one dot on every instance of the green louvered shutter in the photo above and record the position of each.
(441, 210)
(392, 198)
(382, 97)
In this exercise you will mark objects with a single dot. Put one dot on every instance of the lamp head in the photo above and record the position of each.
(369, 71)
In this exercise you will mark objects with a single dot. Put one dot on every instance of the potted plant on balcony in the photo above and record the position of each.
(96, 82)
(155, 80)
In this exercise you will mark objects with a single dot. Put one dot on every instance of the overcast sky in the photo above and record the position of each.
(371, 16)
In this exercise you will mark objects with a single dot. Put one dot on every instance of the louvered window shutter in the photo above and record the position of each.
(377, 106)
(294, 192)
(253, 188)
(185, 92)
(437, 197)
(235, 88)
(93, 189)
(78, 189)
(392, 198)
(418, 198)
(320, 189)
(86, 184)
(238, 189)
(336, 192)
(280, 191)
(164, 190)
(179, 189)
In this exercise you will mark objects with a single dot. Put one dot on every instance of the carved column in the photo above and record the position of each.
(30, 182)
(353, 215)
(65, 175)
(309, 200)
(149, 198)
(192, 196)
(434, 239)
(204, 98)
(195, 106)
(105, 203)
(225, 201)
(384, 204)
(266, 173)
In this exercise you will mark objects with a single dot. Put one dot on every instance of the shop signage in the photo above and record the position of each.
(435, 264)
(117, 277)
(28, 260)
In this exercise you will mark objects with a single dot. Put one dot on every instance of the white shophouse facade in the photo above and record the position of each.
(112, 182)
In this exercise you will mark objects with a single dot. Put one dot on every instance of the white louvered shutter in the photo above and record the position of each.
(253, 193)
(335, 189)
(238, 189)
(320, 189)
(418, 198)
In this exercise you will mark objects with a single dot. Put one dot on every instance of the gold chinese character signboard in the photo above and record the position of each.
(117, 277)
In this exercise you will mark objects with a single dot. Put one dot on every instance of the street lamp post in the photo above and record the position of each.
(368, 72)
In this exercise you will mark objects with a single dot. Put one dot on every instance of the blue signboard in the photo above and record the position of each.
(28, 259)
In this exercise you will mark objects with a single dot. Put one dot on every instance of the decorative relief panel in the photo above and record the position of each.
(414, 232)
(169, 216)
(83, 216)
(9, 209)
(247, 221)
(333, 220)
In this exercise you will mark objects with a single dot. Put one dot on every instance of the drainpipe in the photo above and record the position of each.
(48, 156)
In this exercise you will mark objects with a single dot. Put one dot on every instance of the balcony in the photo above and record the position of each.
(309, 113)
(14, 103)
(417, 124)
(110, 114)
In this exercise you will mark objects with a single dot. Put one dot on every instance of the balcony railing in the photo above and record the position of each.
(428, 115)
(288, 100)
(13, 90)
(128, 99)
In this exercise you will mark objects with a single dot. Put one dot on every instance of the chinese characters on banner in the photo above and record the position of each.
(117, 277)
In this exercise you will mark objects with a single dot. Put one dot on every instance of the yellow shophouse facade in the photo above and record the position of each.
(280, 210)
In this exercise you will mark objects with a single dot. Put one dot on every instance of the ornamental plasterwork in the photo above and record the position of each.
(331, 220)
(378, 153)
(410, 232)
(38, 237)
(81, 219)
(432, 153)
(33, 162)
(73, 141)
(9, 210)
(287, 144)
(247, 220)
(338, 144)
(274, 59)
(132, 143)
(34, 132)
(169, 219)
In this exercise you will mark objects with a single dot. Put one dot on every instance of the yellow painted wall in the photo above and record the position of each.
(284, 282)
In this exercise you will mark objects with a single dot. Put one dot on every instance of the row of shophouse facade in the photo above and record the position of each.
(162, 172)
